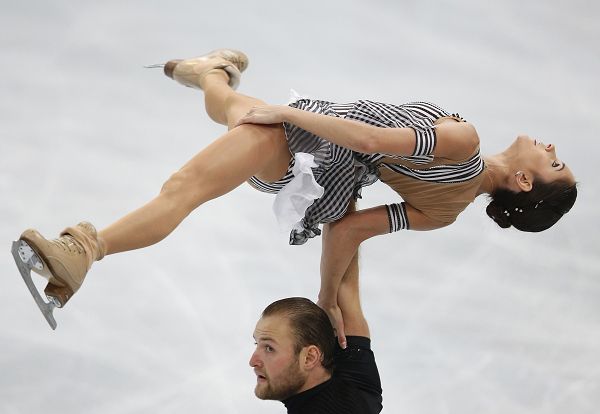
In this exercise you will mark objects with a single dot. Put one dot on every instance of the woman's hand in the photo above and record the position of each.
(269, 114)
(335, 316)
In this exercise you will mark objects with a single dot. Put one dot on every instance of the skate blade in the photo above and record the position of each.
(155, 66)
(26, 259)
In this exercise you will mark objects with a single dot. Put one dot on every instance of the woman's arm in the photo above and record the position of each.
(341, 244)
(339, 253)
(347, 315)
(455, 140)
(345, 235)
(338, 295)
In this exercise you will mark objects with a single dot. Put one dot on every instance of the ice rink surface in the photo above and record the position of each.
(467, 319)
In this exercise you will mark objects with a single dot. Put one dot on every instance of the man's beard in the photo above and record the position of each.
(287, 384)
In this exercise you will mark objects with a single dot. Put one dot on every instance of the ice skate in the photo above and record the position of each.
(64, 261)
(191, 72)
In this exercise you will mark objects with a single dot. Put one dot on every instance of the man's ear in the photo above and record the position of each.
(524, 180)
(310, 357)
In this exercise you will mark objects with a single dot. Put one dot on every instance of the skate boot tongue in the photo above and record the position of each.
(84, 239)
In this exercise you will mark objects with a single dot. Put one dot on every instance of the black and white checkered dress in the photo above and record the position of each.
(342, 172)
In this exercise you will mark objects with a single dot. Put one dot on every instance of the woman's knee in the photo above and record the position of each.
(268, 140)
(273, 148)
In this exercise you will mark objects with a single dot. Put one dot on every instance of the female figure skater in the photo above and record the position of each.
(322, 151)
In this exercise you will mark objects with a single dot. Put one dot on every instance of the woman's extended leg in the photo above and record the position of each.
(219, 168)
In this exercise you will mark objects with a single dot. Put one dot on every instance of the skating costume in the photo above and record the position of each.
(438, 187)
(354, 388)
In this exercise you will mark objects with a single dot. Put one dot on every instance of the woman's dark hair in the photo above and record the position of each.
(535, 210)
(310, 326)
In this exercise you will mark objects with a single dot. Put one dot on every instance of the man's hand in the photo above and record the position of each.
(335, 316)
(269, 114)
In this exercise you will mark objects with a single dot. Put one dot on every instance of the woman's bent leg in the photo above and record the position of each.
(229, 161)
(224, 105)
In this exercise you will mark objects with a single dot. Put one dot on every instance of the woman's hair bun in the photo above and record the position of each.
(535, 210)
(497, 213)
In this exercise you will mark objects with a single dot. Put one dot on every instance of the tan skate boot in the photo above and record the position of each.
(191, 72)
(66, 260)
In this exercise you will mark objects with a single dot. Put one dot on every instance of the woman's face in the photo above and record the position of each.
(539, 159)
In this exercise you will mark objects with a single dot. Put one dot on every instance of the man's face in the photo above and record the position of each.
(277, 368)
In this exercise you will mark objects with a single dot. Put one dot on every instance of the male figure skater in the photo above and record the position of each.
(298, 360)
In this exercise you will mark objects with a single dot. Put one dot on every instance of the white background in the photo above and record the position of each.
(467, 319)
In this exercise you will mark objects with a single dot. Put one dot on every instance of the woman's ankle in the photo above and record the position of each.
(214, 78)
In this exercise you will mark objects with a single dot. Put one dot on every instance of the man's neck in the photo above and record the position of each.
(315, 379)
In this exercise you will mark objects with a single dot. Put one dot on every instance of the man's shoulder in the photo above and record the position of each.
(358, 349)
(356, 372)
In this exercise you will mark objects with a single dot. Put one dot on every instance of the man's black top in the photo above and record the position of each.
(354, 387)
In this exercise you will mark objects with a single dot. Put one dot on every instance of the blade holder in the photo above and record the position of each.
(26, 259)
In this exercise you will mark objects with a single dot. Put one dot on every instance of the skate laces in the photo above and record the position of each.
(70, 244)
(237, 61)
(232, 58)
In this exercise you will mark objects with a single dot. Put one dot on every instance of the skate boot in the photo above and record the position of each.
(191, 72)
(63, 261)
